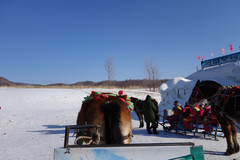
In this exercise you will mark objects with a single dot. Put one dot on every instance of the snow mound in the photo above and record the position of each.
(180, 88)
(176, 89)
(227, 74)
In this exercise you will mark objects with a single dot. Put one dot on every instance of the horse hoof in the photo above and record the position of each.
(236, 150)
(227, 153)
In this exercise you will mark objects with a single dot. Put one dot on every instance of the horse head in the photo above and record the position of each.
(203, 90)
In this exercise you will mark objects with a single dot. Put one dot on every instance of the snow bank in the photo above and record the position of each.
(227, 74)
(175, 89)
(180, 88)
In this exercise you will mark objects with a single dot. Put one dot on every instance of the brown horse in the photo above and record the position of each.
(138, 110)
(112, 114)
(225, 104)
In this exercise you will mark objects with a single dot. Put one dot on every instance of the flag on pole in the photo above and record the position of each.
(198, 57)
(231, 47)
(223, 51)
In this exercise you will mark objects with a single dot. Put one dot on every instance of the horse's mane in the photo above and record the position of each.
(212, 83)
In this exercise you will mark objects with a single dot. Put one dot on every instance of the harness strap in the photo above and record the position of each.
(128, 136)
(225, 95)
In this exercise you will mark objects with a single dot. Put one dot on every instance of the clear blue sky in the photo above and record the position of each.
(67, 41)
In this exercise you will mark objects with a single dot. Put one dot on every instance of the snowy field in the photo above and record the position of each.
(32, 123)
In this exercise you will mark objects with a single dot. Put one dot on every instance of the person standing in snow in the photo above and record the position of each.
(150, 112)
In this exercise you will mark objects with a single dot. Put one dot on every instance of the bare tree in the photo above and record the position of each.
(152, 72)
(110, 69)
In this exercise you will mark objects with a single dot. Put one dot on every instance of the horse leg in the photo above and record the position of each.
(226, 127)
(234, 137)
(140, 117)
(141, 121)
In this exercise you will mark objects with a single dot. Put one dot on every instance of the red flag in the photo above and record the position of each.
(223, 51)
(231, 47)
(198, 57)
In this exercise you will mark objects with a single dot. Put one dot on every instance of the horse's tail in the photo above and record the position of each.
(112, 131)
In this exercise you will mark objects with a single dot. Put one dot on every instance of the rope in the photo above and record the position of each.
(95, 138)
(83, 137)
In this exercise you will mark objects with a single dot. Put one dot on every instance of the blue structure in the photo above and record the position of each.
(170, 151)
(221, 60)
(140, 151)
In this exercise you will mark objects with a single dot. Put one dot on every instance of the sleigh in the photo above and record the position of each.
(140, 151)
(196, 127)
(163, 120)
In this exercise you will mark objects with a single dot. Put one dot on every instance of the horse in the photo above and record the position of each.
(138, 110)
(225, 104)
(111, 113)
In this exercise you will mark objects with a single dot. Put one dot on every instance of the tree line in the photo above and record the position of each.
(131, 83)
(151, 68)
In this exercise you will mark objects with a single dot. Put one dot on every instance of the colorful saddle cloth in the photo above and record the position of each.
(98, 95)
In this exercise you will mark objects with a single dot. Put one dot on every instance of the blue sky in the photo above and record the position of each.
(67, 41)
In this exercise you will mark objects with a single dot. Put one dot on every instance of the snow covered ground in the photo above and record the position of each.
(32, 123)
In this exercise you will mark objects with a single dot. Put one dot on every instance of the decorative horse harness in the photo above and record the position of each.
(221, 98)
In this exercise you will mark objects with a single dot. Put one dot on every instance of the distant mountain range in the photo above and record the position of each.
(5, 82)
(121, 84)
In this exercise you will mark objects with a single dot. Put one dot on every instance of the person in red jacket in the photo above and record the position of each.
(192, 117)
(209, 120)
(177, 111)
(204, 111)
(186, 112)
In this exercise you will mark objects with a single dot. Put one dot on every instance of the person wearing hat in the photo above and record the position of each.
(177, 111)
(150, 112)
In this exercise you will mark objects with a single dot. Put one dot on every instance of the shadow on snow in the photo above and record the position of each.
(53, 129)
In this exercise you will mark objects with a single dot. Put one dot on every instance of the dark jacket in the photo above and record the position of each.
(149, 110)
